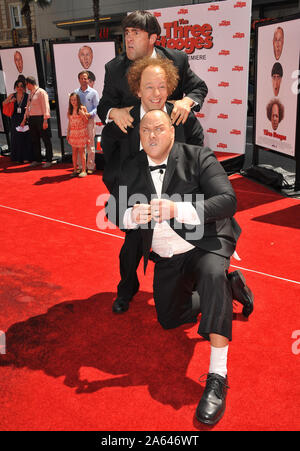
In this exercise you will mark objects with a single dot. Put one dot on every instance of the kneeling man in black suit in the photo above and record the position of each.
(180, 199)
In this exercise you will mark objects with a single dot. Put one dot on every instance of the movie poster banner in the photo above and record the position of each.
(277, 72)
(18, 62)
(216, 38)
(69, 60)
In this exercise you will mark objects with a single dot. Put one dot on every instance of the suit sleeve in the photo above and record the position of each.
(193, 131)
(110, 95)
(117, 204)
(110, 139)
(219, 197)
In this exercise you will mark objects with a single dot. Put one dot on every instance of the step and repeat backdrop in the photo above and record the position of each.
(20, 62)
(277, 85)
(69, 59)
(216, 38)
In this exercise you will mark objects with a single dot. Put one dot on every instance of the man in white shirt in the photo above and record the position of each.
(191, 241)
(38, 114)
(89, 97)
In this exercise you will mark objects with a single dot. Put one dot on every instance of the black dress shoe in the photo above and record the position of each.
(120, 305)
(212, 405)
(241, 292)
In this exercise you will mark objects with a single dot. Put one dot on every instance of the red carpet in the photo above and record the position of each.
(226, 155)
(73, 365)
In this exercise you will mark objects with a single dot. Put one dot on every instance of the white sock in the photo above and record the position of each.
(218, 361)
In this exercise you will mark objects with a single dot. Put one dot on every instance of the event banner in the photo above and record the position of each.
(216, 38)
(277, 73)
(16, 62)
(69, 60)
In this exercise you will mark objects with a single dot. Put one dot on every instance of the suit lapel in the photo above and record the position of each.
(169, 107)
(144, 168)
(159, 52)
(171, 166)
(179, 129)
(147, 233)
(135, 132)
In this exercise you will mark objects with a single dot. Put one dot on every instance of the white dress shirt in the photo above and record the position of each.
(166, 242)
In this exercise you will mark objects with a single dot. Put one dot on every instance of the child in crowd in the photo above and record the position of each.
(77, 134)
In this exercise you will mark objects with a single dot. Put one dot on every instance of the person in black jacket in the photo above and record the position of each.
(141, 30)
(21, 144)
(152, 80)
(191, 237)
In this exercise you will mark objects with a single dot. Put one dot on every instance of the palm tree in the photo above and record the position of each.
(96, 7)
(26, 11)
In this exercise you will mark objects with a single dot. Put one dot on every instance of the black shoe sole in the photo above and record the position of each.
(119, 312)
(122, 308)
(211, 422)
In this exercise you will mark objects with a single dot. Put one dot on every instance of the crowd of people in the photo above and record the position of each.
(153, 145)
(30, 123)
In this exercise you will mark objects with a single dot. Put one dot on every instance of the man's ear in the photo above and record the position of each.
(152, 39)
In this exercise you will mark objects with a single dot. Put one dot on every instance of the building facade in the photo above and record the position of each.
(13, 31)
(73, 19)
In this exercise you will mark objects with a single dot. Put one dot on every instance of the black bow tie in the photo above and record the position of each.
(160, 166)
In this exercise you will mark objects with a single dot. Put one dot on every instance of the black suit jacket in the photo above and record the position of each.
(118, 146)
(192, 171)
(116, 92)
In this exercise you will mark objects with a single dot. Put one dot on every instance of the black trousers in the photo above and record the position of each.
(175, 279)
(37, 132)
(130, 257)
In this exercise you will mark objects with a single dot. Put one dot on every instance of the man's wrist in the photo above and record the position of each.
(190, 101)
(110, 113)
(128, 221)
(187, 214)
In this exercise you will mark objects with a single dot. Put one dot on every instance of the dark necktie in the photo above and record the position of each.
(160, 166)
